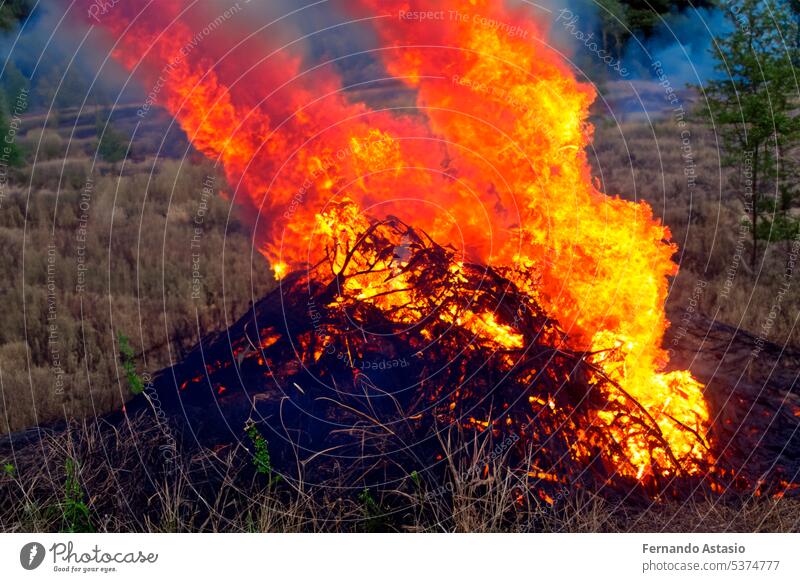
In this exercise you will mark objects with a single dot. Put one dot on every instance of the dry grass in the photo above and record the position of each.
(133, 227)
(127, 484)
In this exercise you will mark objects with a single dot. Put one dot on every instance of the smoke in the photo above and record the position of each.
(318, 32)
(683, 43)
(59, 61)
(682, 40)
(48, 47)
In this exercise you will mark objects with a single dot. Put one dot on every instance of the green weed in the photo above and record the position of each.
(128, 359)
(76, 516)
(261, 458)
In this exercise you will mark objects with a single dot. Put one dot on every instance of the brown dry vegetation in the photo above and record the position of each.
(138, 278)
(128, 484)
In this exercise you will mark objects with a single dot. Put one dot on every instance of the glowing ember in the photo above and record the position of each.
(493, 163)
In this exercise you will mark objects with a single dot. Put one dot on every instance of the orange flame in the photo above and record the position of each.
(492, 161)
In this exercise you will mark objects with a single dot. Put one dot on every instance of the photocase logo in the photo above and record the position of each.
(31, 555)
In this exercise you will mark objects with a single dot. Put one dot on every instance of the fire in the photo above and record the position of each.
(492, 161)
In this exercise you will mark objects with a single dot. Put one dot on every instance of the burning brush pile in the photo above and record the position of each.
(391, 341)
(450, 265)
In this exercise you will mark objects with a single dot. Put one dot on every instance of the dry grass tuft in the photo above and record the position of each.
(130, 481)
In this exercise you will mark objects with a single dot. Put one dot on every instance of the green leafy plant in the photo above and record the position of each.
(261, 458)
(9, 470)
(373, 514)
(128, 359)
(76, 516)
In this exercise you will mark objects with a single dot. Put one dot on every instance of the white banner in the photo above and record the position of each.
(400, 557)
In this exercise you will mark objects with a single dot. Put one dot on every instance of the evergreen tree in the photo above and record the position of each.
(12, 11)
(613, 24)
(111, 143)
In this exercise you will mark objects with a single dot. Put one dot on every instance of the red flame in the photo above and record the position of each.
(491, 160)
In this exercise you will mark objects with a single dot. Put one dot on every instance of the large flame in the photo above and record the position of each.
(492, 161)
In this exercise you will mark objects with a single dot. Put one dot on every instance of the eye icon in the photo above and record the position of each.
(31, 555)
